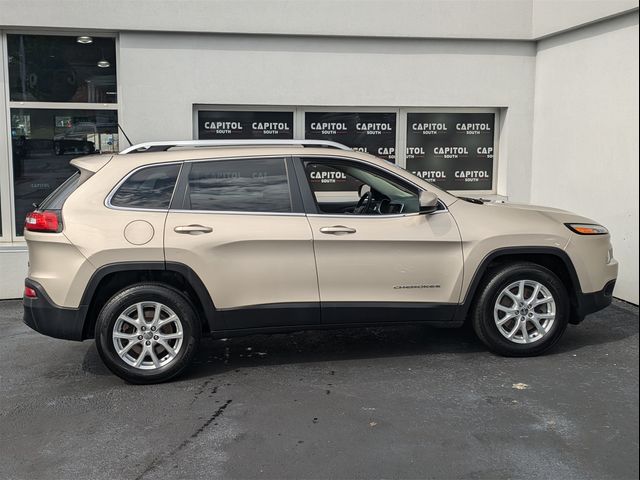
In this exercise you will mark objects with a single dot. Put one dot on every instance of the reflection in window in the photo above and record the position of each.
(252, 185)
(43, 141)
(48, 68)
(150, 187)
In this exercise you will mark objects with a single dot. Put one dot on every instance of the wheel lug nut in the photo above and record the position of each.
(153, 329)
(155, 337)
(148, 342)
(139, 337)
(143, 328)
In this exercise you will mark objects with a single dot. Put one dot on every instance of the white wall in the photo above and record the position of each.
(585, 148)
(553, 16)
(396, 18)
(165, 74)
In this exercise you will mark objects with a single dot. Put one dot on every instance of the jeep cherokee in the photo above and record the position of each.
(148, 250)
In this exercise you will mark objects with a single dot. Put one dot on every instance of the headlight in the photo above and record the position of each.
(587, 229)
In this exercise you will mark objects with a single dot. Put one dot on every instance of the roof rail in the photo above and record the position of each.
(164, 146)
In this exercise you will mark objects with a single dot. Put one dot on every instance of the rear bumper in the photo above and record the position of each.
(45, 317)
(592, 302)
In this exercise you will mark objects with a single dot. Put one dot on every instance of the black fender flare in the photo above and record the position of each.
(575, 291)
(189, 275)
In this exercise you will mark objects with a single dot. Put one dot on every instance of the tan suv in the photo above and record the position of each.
(149, 250)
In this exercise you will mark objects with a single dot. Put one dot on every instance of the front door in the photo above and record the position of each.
(378, 258)
(236, 226)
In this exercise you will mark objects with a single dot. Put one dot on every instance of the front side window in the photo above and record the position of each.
(364, 190)
(247, 185)
(150, 187)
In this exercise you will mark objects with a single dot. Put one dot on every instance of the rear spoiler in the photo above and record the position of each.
(90, 164)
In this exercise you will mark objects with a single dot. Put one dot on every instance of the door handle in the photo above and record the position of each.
(193, 229)
(337, 230)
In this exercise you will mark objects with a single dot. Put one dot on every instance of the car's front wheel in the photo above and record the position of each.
(147, 333)
(521, 310)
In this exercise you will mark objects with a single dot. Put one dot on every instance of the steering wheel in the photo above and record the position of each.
(364, 204)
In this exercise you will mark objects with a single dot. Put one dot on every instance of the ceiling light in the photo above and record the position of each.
(84, 39)
(104, 63)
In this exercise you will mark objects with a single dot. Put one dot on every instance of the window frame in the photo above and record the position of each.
(309, 199)
(178, 203)
(7, 190)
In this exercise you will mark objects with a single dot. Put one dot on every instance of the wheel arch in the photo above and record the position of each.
(109, 279)
(554, 259)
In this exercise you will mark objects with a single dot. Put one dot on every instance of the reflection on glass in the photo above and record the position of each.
(256, 185)
(43, 141)
(48, 68)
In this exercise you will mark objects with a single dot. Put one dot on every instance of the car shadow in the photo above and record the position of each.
(217, 356)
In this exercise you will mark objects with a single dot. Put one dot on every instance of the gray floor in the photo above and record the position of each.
(398, 403)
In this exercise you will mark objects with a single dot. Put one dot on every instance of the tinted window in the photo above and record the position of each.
(48, 68)
(251, 185)
(151, 187)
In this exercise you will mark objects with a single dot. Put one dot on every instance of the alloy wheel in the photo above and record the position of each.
(148, 335)
(524, 311)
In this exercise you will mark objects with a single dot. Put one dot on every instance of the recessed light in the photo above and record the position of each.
(104, 63)
(84, 39)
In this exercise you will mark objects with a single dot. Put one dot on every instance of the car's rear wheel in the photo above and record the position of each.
(147, 333)
(521, 310)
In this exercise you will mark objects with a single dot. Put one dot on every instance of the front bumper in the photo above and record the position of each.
(587, 303)
(45, 317)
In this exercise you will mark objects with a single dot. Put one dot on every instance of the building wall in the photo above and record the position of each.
(585, 149)
(164, 75)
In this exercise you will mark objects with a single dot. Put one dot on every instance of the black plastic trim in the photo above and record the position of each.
(44, 316)
(297, 206)
(309, 314)
(271, 315)
(180, 190)
(588, 303)
(308, 199)
(345, 313)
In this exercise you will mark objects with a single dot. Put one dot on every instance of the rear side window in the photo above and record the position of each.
(248, 185)
(57, 198)
(150, 187)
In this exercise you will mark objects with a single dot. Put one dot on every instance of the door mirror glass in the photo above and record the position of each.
(428, 202)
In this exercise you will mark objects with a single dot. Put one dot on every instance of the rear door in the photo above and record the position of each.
(239, 225)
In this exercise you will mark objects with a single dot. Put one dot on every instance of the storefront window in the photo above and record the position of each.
(452, 150)
(374, 133)
(43, 142)
(237, 125)
(47, 68)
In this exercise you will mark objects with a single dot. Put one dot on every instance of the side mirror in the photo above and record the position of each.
(428, 202)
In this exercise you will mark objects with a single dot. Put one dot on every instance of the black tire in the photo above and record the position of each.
(147, 292)
(496, 280)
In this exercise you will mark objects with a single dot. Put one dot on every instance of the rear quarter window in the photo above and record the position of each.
(149, 187)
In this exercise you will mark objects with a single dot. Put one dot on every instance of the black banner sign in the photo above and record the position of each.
(452, 150)
(374, 133)
(236, 125)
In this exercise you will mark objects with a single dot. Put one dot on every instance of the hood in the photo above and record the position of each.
(556, 214)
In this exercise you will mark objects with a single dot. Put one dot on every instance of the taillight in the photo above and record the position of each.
(47, 221)
(30, 292)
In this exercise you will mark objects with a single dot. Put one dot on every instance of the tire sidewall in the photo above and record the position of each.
(147, 293)
(484, 320)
